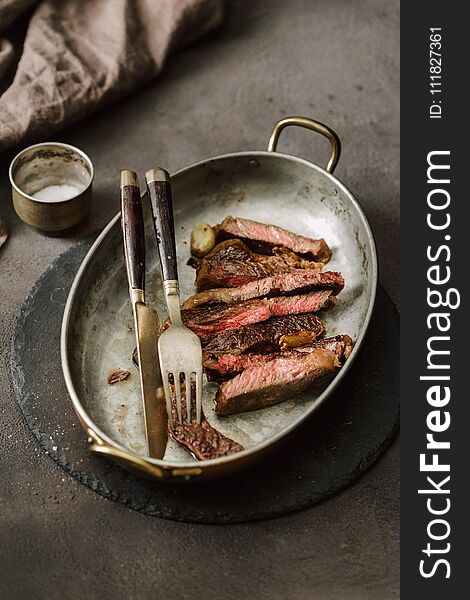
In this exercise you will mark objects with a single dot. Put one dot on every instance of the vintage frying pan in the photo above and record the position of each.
(97, 334)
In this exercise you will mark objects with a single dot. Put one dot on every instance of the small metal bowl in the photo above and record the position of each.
(51, 164)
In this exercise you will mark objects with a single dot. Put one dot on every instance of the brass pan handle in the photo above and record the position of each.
(136, 463)
(124, 459)
(314, 126)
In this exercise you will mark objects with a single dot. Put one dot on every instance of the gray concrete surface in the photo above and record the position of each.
(337, 61)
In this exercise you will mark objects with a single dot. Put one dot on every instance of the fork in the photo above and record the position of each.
(179, 347)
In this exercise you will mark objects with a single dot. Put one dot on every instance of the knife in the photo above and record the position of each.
(146, 323)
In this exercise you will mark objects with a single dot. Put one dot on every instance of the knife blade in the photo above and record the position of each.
(146, 323)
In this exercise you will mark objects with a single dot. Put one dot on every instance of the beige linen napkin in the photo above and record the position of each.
(81, 54)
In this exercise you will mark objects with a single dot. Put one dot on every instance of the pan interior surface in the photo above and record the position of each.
(268, 187)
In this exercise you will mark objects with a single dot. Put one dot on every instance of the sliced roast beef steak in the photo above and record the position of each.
(206, 321)
(201, 439)
(296, 282)
(270, 236)
(262, 337)
(232, 263)
(276, 381)
(226, 366)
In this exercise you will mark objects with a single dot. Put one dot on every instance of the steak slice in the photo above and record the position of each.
(232, 263)
(262, 337)
(204, 441)
(300, 281)
(276, 381)
(201, 439)
(225, 366)
(206, 321)
(270, 236)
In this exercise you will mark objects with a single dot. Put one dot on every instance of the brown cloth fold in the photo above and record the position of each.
(81, 54)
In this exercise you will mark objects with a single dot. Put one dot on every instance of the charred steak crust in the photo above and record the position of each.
(232, 263)
(296, 282)
(341, 344)
(225, 366)
(201, 439)
(209, 320)
(262, 337)
(271, 235)
(275, 381)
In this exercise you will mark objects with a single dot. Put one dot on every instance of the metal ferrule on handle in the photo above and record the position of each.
(171, 290)
(136, 295)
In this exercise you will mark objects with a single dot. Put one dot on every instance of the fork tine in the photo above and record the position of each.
(189, 399)
(166, 387)
(198, 395)
(178, 395)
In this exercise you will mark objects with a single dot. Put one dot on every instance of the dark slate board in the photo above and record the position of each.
(339, 443)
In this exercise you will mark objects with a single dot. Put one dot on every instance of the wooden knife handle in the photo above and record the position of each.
(159, 188)
(133, 233)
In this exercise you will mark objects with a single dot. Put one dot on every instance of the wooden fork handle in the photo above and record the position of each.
(159, 188)
(133, 233)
